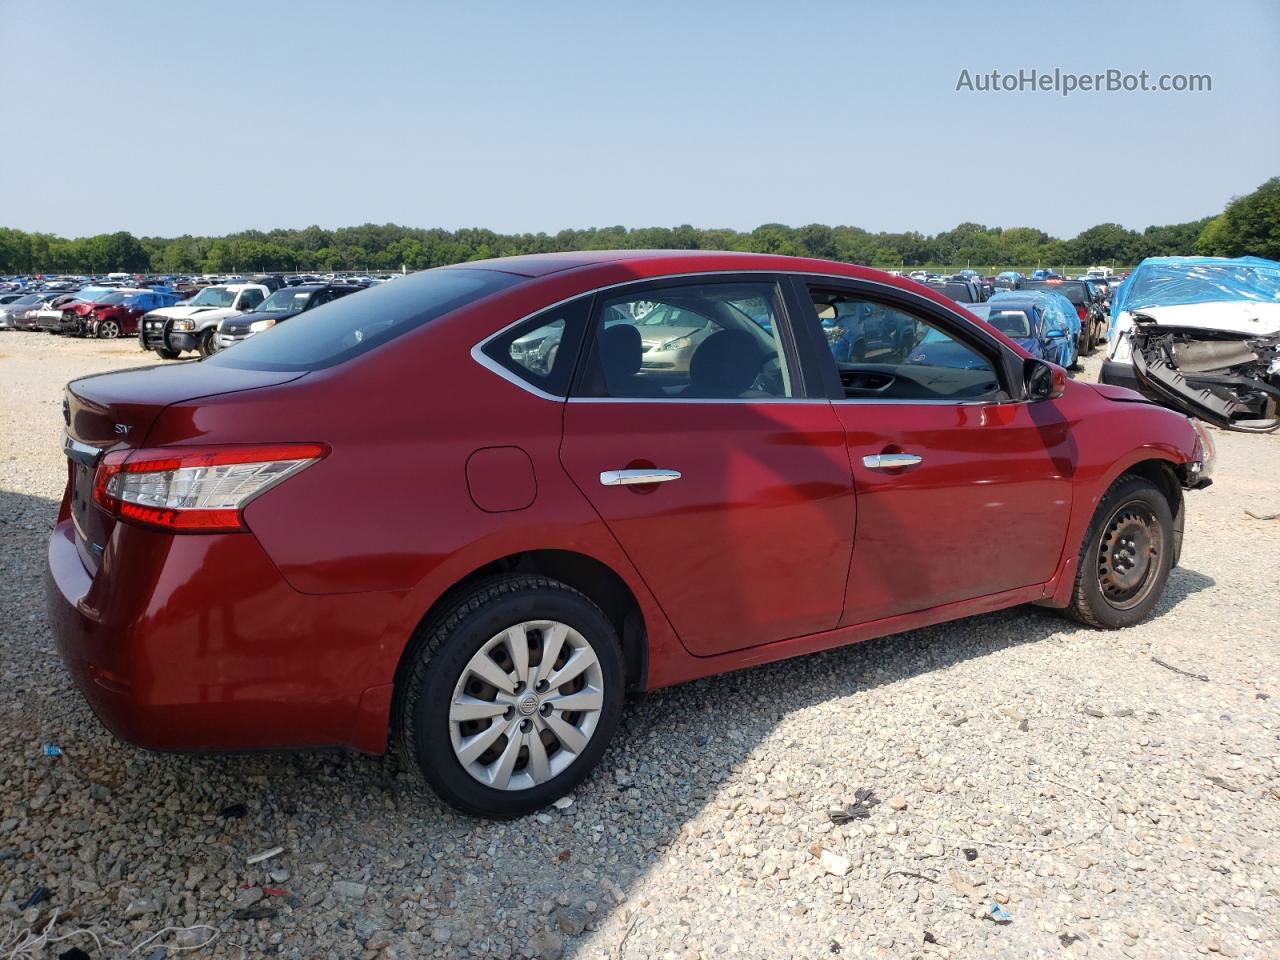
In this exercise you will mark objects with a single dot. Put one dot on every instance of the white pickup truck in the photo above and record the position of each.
(193, 324)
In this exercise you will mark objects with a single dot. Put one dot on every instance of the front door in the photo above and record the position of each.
(961, 492)
(691, 433)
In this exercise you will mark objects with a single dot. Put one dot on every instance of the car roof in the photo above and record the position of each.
(590, 269)
(694, 261)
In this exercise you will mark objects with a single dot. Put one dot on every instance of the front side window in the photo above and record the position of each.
(712, 341)
(249, 299)
(883, 352)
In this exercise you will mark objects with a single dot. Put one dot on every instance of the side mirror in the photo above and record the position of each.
(1043, 380)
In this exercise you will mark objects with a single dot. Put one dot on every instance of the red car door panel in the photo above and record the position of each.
(751, 544)
(985, 510)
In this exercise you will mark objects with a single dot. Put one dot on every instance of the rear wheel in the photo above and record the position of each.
(512, 696)
(1126, 557)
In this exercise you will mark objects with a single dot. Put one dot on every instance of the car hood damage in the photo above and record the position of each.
(1204, 335)
(1227, 378)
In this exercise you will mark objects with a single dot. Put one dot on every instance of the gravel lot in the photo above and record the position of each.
(1116, 794)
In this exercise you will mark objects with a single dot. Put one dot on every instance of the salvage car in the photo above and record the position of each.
(119, 315)
(1201, 335)
(18, 306)
(69, 318)
(285, 303)
(1036, 322)
(46, 310)
(193, 324)
(381, 524)
(1086, 303)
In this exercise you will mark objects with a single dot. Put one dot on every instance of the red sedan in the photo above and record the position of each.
(470, 508)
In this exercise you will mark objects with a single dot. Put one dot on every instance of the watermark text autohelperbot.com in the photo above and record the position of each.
(1065, 83)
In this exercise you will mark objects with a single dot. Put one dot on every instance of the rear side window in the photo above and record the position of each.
(355, 324)
(542, 350)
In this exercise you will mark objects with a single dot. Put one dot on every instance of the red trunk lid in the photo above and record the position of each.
(116, 411)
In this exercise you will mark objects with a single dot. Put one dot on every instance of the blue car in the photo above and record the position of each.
(860, 332)
(1036, 327)
(1036, 322)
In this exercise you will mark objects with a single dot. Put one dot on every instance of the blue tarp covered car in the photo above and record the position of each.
(1201, 335)
(1037, 322)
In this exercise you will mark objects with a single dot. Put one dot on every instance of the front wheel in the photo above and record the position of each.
(512, 696)
(208, 344)
(165, 354)
(1126, 557)
(108, 330)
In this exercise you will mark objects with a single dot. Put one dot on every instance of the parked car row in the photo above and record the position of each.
(170, 323)
(1089, 295)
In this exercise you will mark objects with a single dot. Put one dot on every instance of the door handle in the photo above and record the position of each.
(891, 461)
(624, 478)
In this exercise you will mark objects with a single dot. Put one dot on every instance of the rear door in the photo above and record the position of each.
(720, 469)
(961, 492)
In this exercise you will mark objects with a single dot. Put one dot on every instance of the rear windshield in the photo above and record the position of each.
(1072, 290)
(335, 332)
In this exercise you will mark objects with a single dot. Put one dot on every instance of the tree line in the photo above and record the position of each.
(1250, 225)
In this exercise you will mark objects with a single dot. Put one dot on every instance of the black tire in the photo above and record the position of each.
(208, 343)
(108, 330)
(164, 354)
(1126, 557)
(444, 647)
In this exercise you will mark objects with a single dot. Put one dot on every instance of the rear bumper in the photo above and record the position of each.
(197, 643)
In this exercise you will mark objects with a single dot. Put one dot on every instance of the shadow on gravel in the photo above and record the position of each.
(482, 887)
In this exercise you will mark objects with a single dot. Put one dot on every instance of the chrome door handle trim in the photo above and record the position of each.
(891, 461)
(623, 478)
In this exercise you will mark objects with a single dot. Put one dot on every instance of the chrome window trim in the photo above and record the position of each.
(484, 360)
(670, 400)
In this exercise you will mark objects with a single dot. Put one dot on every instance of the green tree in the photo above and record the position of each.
(1105, 243)
(1251, 224)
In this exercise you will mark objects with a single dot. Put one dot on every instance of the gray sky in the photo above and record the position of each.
(169, 118)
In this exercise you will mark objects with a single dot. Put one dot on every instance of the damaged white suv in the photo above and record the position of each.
(1201, 335)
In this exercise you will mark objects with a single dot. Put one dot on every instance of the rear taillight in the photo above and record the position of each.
(195, 488)
(1081, 312)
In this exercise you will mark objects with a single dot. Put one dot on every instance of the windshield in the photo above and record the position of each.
(29, 298)
(212, 297)
(99, 296)
(337, 331)
(284, 301)
(1012, 323)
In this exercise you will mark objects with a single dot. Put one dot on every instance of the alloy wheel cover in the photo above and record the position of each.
(526, 705)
